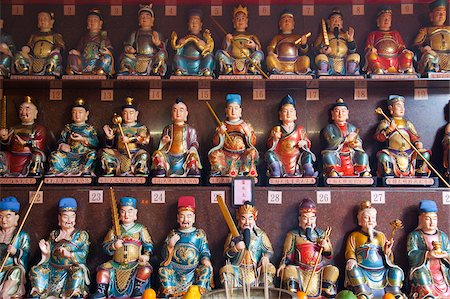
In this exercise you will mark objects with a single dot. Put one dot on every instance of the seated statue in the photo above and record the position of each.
(13, 275)
(178, 270)
(283, 55)
(7, 49)
(398, 158)
(289, 151)
(302, 250)
(385, 50)
(23, 145)
(434, 41)
(93, 54)
(193, 53)
(128, 273)
(336, 48)
(429, 256)
(135, 137)
(144, 51)
(248, 253)
(238, 46)
(234, 152)
(76, 154)
(62, 271)
(42, 54)
(370, 269)
(343, 155)
(177, 154)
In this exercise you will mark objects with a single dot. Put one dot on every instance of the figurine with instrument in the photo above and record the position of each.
(7, 49)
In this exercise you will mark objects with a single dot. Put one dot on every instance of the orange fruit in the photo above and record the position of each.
(388, 296)
(301, 295)
(149, 294)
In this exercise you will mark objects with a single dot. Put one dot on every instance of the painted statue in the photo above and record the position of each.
(385, 50)
(429, 256)
(76, 154)
(303, 248)
(446, 145)
(343, 155)
(23, 145)
(193, 52)
(62, 271)
(287, 51)
(128, 273)
(12, 278)
(42, 54)
(177, 154)
(234, 151)
(336, 48)
(185, 255)
(115, 159)
(398, 158)
(145, 51)
(434, 41)
(370, 269)
(93, 55)
(289, 151)
(7, 49)
(248, 255)
(239, 46)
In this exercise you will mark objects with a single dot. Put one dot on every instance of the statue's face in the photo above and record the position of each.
(335, 21)
(397, 109)
(428, 222)
(45, 21)
(146, 20)
(128, 215)
(8, 219)
(384, 21)
(286, 23)
(67, 220)
(186, 219)
(287, 114)
(438, 16)
(27, 113)
(307, 219)
(79, 115)
(129, 115)
(367, 219)
(246, 221)
(94, 24)
(179, 113)
(233, 111)
(240, 21)
(195, 24)
(339, 114)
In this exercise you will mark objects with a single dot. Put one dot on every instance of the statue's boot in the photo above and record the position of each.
(101, 291)
(308, 170)
(137, 290)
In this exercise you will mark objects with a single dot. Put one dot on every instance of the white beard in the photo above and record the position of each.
(371, 232)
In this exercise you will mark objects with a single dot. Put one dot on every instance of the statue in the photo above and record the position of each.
(128, 273)
(7, 49)
(289, 151)
(385, 50)
(234, 151)
(186, 255)
(398, 158)
(370, 268)
(62, 271)
(177, 154)
(135, 138)
(194, 51)
(238, 46)
(248, 253)
(93, 55)
(144, 51)
(24, 144)
(303, 248)
(446, 145)
(287, 52)
(12, 278)
(434, 41)
(336, 48)
(428, 252)
(45, 47)
(344, 155)
(76, 153)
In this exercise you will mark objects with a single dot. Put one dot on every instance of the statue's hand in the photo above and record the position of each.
(129, 49)
(108, 132)
(265, 261)
(103, 50)
(201, 43)
(374, 50)
(229, 38)
(64, 147)
(11, 249)
(240, 245)
(207, 263)
(250, 44)
(26, 50)
(4, 134)
(302, 143)
(173, 240)
(222, 129)
(350, 34)
(280, 270)
(351, 263)
(44, 246)
(20, 140)
(125, 139)
(118, 244)
(247, 130)
(74, 52)
(392, 126)
(64, 252)
(155, 39)
(326, 50)
(144, 258)
(388, 246)
(4, 48)
(165, 139)
(418, 144)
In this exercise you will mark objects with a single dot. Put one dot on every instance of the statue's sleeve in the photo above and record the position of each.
(79, 256)
(108, 242)
(205, 253)
(147, 243)
(59, 42)
(382, 133)
(420, 38)
(288, 249)
(350, 247)
(416, 255)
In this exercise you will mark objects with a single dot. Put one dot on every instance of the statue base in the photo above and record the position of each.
(394, 77)
(290, 77)
(68, 180)
(84, 77)
(240, 77)
(437, 75)
(18, 181)
(350, 181)
(294, 181)
(175, 181)
(341, 77)
(122, 180)
(410, 182)
(224, 180)
(138, 78)
(256, 293)
(190, 77)
(32, 77)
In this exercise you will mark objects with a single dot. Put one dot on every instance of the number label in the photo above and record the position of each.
(274, 197)
(17, 10)
(116, 10)
(420, 93)
(360, 94)
(446, 197)
(312, 94)
(170, 11)
(55, 95)
(39, 197)
(259, 94)
(358, 9)
(155, 94)
(264, 10)
(159, 196)
(95, 196)
(323, 197)
(204, 94)
(377, 197)
(69, 10)
(407, 9)
(216, 10)
(107, 95)
(215, 194)
(308, 10)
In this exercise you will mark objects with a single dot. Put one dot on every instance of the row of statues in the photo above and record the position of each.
(145, 52)
(233, 154)
(370, 271)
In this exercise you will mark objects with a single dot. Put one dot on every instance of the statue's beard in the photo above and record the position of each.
(336, 32)
(371, 232)
(308, 232)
